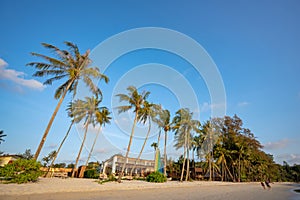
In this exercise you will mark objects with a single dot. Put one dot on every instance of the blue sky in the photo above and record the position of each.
(254, 44)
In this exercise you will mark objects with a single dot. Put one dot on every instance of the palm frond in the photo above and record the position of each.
(61, 89)
(123, 108)
(50, 80)
(62, 54)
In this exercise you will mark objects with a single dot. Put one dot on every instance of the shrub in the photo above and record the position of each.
(156, 177)
(91, 173)
(21, 171)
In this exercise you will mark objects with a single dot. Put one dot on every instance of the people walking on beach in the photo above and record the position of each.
(263, 185)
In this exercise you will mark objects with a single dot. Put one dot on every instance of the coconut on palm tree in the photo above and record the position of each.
(70, 66)
(135, 102)
(184, 126)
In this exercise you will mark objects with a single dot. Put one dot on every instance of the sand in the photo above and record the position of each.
(56, 188)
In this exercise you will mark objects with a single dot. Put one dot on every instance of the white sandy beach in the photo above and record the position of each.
(56, 188)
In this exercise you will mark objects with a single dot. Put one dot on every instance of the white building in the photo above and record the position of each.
(114, 164)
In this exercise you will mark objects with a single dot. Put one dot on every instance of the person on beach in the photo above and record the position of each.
(267, 182)
(263, 185)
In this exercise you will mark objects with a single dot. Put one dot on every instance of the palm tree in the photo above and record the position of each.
(71, 113)
(69, 65)
(164, 123)
(147, 113)
(102, 118)
(184, 125)
(135, 102)
(85, 109)
(2, 135)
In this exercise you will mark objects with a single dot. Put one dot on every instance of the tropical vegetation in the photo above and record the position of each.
(71, 66)
(222, 148)
(21, 171)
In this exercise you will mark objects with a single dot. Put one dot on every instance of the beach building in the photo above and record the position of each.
(5, 159)
(114, 164)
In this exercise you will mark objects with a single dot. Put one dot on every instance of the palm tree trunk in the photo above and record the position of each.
(92, 149)
(209, 164)
(58, 150)
(165, 154)
(229, 172)
(188, 159)
(38, 151)
(128, 147)
(239, 168)
(81, 147)
(184, 159)
(142, 149)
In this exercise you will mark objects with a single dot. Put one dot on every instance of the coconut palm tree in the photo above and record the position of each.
(184, 125)
(2, 135)
(164, 123)
(70, 66)
(135, 101)
(85, 109)
(147, 113)
(102, 118)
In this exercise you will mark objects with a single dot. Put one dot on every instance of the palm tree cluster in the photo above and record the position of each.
(72, 66)
(223, 146)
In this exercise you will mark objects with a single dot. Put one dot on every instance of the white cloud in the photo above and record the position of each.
(18, 77)
(276, 145)
(242, 104)
(290, 158)
(207, 107)
(51, 146)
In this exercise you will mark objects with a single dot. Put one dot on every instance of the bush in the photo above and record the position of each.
(21, 171)
(156, 177)
(91, 173)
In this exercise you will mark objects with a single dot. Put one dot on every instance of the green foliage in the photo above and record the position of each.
(91, 173)
(21, 171)
(2, 135)
(156, 177)
(49, 158)
(110, 178)
(27, 154)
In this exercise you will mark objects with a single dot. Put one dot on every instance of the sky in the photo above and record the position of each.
(251, 47)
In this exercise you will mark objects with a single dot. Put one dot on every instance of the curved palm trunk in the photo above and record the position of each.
(128, 148)
(92, 149)
(165, 154)
(58, 150)
(38, 151)
(81, 147)
(142, 149)
(184, 159)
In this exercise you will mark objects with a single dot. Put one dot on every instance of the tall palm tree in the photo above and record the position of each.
(184, 125)
(102, 118)
(85, 109)
(2, 135)
(135, 101)
(147, 113)
(164, 123)
(71, 66)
